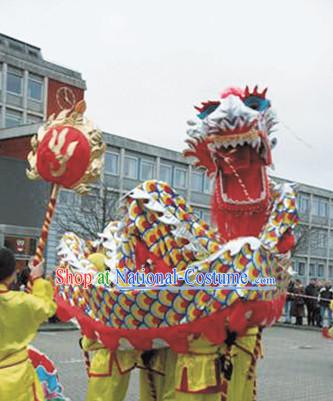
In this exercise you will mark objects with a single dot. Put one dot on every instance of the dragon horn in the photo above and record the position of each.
(255, 90)
(247, 91)
(263, 94)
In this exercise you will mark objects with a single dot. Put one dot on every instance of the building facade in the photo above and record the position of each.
(31, 89)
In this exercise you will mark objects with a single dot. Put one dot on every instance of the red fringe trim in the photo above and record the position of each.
(264, 313)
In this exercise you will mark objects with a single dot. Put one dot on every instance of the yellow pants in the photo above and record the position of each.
(109, 375)
(241, 386)
(162, 376)
(201, 368)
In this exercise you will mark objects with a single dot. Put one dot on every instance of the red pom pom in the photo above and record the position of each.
(232, 91)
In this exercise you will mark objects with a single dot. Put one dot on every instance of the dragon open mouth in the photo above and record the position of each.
(241, 159)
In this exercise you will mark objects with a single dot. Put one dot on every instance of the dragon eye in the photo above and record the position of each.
(256, 103)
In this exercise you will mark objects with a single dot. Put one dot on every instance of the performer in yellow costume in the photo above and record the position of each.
(245, 353)
(20, 317)
(109, 372)
(219, 373)
(198, 374)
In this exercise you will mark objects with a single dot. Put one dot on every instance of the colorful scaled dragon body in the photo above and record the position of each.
(230, 139)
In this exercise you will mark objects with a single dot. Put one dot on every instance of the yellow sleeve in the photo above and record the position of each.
(90, 345)
(41, 300)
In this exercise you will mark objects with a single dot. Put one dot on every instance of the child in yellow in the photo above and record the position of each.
(20, 317)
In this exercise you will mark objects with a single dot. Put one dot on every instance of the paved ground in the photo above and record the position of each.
(298, 365)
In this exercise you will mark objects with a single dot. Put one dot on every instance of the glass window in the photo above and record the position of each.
(14, 83)
(180, 178)
(197, 181)
(330, 271)
(13, 118)
(312, 270)
(131, 167)
(34, 119)
(320, 207)
(301, 268)
(303, 203)
(146, 170)
(208, 185)
(166, 173)
(318, 239)
(22, 247)
(320, 272)
(35, 89)
(206, 216)
(111, 163)
(197, 212)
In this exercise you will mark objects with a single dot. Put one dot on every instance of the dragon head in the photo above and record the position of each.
(231, 140)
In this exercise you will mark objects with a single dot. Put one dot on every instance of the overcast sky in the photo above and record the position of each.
(147, 62)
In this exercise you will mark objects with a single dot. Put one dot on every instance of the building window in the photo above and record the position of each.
(312, 270)
(166, 173)
(320, 272)
(197, 212)
(146, 170)
(14, 83)
(208, 185)
(180, 178)
(13, 118)
(318, 238)
(197, 181)
(303, 202)
(301, 268)
(22, 247)
(35, 88)
(111, 163)
(330, 271)
(206, 216)
(131, 167)
(320, 207)
(32, 119)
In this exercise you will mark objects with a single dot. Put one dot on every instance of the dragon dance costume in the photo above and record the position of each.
(200, 343)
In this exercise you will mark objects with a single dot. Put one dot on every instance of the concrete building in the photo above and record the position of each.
(31, 89)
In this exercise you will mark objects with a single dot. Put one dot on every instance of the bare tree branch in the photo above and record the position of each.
(92, 214)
